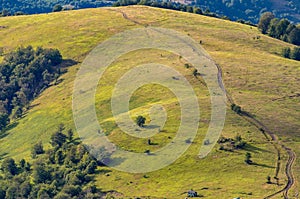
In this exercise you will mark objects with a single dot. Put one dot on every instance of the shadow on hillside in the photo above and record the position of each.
(115, 161)
(262, 165)
(63, 68)
(3, 156)
(4, 133)
(254, 149)
(151, 127)
(103, 171)
(67, 63)
(33, 105)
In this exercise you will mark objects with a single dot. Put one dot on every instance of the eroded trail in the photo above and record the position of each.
(270, 136)
(274, 141)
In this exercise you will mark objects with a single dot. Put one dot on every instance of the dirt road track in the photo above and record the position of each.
(258, 124)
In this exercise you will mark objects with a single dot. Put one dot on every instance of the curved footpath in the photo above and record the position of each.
(258, 124)
(274, 141)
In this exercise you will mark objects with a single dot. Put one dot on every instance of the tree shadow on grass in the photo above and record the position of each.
(67, 63)
(4, 133)
(103, 171)
(254, 149)
(3, 156)
(114, 161)
(151, 127)
(262, 165)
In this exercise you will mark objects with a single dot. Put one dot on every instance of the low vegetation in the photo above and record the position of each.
(230, 144)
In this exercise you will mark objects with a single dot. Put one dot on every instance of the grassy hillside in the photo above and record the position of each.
(258, 79)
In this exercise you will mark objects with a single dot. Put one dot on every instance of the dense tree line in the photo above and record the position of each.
(24, 73)
(279, 28)
(15, 7)
(250, 10)
(168, 5)
(291, 53)
(246, 10)
(236, 9)
(64, 171)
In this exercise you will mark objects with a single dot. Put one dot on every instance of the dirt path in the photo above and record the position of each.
(258, 124)
(274, 141)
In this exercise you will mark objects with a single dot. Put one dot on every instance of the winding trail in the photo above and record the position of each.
(258, 124)
(274, 141)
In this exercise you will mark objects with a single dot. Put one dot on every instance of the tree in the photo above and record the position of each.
(41, 174)
(272, 28)
(62, 196)
(72, 190)
(248, 158)
(5, 13)
(296, 54)
(11, 192)
(2, 193)
(197, 10)
(189, 9)
(195, 72)
(91, 168)
(25, 189)
(4, 120)
(294, 36)
(236, 108)
(70, 134)
(37, 149)
(58, 139)
(59, 157)
(9, 166)
(281, 27)
(22, 163)
(264, 21)
(57, 8)
(140, 121)
(286, 52)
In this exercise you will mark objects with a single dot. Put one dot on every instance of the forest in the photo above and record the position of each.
(24, 74)
(65, 170)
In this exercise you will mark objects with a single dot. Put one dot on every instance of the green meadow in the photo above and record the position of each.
(255, 75)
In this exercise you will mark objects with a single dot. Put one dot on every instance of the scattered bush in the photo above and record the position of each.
(140, 121)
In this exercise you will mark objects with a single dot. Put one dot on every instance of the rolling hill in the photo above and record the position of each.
(235, 10)
(255, 76)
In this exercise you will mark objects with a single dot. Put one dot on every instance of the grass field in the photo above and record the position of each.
(255, 75)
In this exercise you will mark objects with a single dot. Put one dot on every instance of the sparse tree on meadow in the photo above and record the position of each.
(248, 157)
(140, 121)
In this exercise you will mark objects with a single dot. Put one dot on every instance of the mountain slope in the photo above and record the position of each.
(258, 79)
